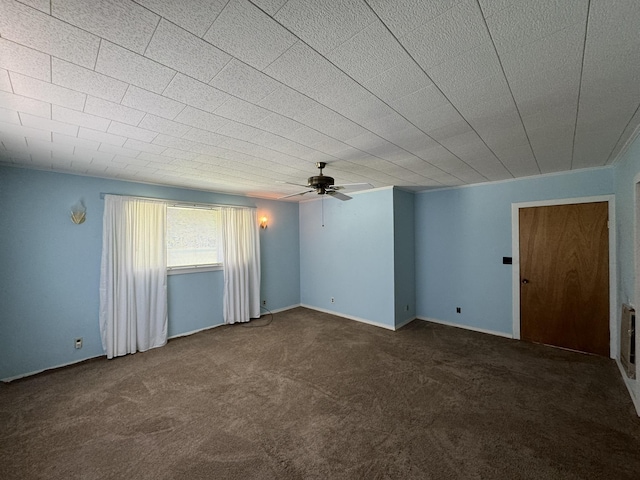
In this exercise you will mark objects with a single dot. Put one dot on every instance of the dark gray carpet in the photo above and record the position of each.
(317, 396)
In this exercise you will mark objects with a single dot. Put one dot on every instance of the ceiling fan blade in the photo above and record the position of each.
(295, 194)
(347, 185)
(338, 195)
(296, 184)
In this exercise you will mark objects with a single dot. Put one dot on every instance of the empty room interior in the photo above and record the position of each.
(319, 239)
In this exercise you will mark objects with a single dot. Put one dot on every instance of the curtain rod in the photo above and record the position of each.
(178, 203)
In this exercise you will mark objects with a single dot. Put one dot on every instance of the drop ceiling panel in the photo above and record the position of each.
(325, 24)
(195, 16)
(249, 34)
(118, 62)
(180, 50)
(412, 92)
(125, 23)
(27, 61)
(32, 28)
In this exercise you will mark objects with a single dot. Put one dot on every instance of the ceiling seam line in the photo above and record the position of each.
(361, 126)
(439, 89)
(584, 54)
(637, 130)
(495, 49)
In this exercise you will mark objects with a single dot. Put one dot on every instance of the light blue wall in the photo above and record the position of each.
(462, 235)
(50, 267)
(404, 256)
(627, 174)
(350, 258)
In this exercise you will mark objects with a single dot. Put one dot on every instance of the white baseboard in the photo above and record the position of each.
(281, 309)
(35, 372)
(466, 327)
(630, 383)
(350, 317)
(404, 322)
(186, 334)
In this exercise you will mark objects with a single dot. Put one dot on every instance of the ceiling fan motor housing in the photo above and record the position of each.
(320, 182)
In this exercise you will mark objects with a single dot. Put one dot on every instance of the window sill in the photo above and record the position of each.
(194, 269)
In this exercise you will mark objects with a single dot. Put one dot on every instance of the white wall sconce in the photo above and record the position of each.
(78, 213)
(263, 222)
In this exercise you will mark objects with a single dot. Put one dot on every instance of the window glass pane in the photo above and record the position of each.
(192, 236)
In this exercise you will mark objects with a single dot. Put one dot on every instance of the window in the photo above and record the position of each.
(192, 239)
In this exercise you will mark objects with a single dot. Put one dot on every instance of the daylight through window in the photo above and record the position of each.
(192, 237)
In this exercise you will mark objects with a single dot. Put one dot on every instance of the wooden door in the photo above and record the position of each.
(564, 276)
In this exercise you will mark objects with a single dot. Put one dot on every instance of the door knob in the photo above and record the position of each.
(525, 281)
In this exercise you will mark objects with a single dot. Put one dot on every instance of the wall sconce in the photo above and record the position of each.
(263, 222)
(78, 213)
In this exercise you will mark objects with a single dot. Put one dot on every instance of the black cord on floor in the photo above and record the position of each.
(250, 324)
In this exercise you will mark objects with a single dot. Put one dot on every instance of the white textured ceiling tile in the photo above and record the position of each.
(204, 136)
(47, 92)
(162, 125)
(97, 136)
(288, 102)
(340, 94)
(330, 123)
(445, 130)
(24, 104)
(195, 16)
(525, 21)
(401, 80)
(417, 103)
(18, 58)
(75, 117)
(181, 154)
(454, 32)
(491, 7)
(113, 111)
(306, 135)
(369, 52)
(127, 152)
(325, 24)
(9, 116)
(147, 147)
(239, 130)
(122, 22)
(279, 124)
(393, 122)
(437, 118)
(61, 138)
(130, 131)
(151, 103)
(195, 93)
(479, 91)
(412, 140)
(84, 80)
(247, 33)
(42, 5)
(270, 6)
(22, 24)
(368, 111)
(56, 149)
(178, 49)
(172, 142)
(241, 111)
(5, 83)
(301, 66)
(404, 16)
(241, 80)
(519, 160)
(130, 67)
(11, 129)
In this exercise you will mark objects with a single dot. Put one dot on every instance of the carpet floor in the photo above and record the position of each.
(314, 396)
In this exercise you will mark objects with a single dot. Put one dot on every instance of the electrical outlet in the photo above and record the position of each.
(406, 308)
(264, 302)
(332, 300)
(458, 310)
(78, 343)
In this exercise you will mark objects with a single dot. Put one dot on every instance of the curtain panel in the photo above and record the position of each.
(133, 275)
(241, 260)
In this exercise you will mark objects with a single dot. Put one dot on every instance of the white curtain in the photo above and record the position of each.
(241, 259)
(133, 275)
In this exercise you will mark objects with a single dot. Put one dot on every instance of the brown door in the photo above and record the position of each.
(564, 276)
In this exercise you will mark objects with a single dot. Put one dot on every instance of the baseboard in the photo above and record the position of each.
(629, 382)
(186, 334)
(36, 372)
(277, 310)
(404, 322)
(466, 327)
(350, 317)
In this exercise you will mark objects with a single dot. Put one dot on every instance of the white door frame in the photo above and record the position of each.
(515, 252)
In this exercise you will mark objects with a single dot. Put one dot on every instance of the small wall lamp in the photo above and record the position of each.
(78, 213)
(263, 222)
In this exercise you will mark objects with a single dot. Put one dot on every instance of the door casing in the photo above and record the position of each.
(515, 249)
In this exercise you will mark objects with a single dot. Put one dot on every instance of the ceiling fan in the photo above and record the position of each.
(323, 185)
